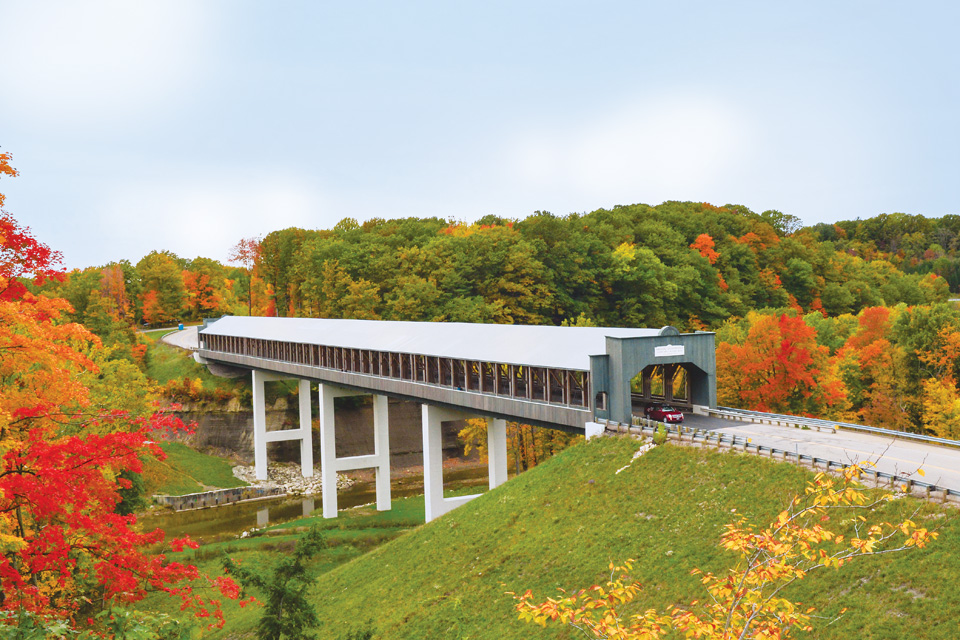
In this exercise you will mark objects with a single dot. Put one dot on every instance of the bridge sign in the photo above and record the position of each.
(668, 350)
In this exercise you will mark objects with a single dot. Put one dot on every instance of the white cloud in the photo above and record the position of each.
(655, 150)
(206, 218)
(107, 61)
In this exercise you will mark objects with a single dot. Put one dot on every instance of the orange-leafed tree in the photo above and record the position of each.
(150, 307)
(779, 367)
(113, 290)
(871, 365)
(941, 399)
(705, 246)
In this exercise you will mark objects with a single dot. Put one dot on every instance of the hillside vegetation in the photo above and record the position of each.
(560, 524)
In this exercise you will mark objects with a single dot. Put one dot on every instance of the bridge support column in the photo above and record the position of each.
(435, 505)
(259, 425)
(497, 451)
(261, 436)
(330, 464)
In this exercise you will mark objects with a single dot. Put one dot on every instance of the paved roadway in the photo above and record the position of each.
(940, 464)
(186, 339)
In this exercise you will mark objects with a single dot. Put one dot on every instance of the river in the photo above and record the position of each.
(225, 522)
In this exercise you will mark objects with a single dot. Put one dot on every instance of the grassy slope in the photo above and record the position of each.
(186, 471)
(165, 363)
(560, 524)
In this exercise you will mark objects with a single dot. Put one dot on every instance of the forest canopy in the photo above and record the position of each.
(861, 304)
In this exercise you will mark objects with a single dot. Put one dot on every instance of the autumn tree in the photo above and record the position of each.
(63, 451)
(246, 253)
(779, 367)
(871, 366)
(161, 279)
(834, 522)
(20, 254)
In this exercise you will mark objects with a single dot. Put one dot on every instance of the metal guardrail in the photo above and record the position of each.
(773, 418)
(888, 433)
(645, 426)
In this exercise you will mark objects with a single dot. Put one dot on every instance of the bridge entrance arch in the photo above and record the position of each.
(667, 383)
(669, 367)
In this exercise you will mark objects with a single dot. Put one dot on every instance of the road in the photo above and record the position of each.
(185, 339)
(940, 464)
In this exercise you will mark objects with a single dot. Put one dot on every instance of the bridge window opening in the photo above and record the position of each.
(473, 375)
(405, 373)
(536, 383)
(577, 386)
(601, 401)
(459, 374)
(521, 386)
(681, 390)
(503, 379)
(420, 363)
(555, 382)
(487, 378)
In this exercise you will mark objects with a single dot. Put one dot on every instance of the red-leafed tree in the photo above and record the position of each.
(780, 368)
(20, 254)
(63, 546)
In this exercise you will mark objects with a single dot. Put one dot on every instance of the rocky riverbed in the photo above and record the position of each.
(287, 476)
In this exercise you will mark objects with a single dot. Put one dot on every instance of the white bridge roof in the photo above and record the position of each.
(539, 346)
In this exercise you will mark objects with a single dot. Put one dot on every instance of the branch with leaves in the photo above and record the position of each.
(747, 601)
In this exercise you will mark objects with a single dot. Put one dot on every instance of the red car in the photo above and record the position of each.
(663, 413)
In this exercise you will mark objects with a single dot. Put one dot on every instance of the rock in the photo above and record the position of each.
(288, 477)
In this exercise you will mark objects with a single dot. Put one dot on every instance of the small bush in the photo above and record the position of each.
(660, 436)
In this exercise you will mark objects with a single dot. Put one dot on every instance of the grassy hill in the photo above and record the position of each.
(187, 471)
(559, 525)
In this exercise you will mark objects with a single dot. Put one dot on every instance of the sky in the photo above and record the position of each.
(188, 125)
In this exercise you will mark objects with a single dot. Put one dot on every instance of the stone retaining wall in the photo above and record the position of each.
(218, 497)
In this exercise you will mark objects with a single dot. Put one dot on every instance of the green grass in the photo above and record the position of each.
(560, 524)
(353, 533)
(165, 363)
(188, 471)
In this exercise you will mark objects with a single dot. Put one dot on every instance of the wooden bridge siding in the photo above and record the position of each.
(498, 406)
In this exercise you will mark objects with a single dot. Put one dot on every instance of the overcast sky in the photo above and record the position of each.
(189, 125)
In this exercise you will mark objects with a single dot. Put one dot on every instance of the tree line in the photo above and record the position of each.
(860, 302)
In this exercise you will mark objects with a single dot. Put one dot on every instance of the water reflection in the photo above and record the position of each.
(227, 521)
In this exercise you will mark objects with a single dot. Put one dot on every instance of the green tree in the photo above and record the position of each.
(284, 588)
